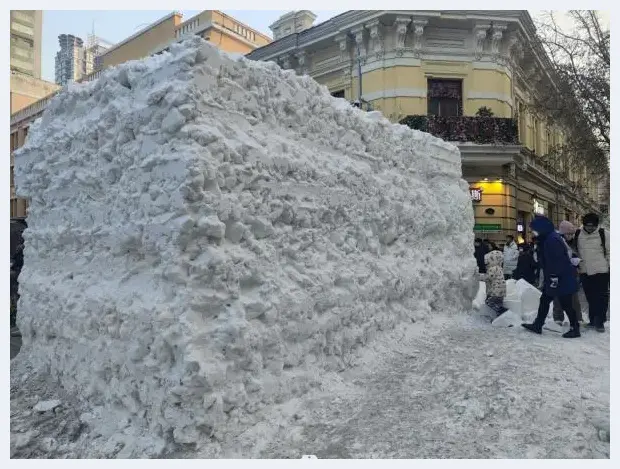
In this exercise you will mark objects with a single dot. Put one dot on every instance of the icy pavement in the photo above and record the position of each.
(448, 387)
(466, 391)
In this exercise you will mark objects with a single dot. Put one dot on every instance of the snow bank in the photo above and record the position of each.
(208, 235)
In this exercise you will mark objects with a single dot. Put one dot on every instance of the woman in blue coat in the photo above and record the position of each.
(559, 276)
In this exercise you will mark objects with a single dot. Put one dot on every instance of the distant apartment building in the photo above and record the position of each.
(26, 29)
(69, 59)
(26, 86)
(75, 60)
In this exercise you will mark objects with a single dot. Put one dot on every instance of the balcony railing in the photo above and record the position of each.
(480, 130)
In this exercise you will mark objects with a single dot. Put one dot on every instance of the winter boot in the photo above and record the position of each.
(600, 329)
(535, 328)
(572, 334)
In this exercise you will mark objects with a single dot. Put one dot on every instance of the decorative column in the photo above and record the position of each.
(358, 33)
(346, 80)
(343, 45)
(285, 61)
(376, 38)
(496, 40)
(302, 59)
(418, 33)
(480, 36)
(515, 48)
(401, 25)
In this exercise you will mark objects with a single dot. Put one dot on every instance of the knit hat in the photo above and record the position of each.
(567, 228)
(590, 219)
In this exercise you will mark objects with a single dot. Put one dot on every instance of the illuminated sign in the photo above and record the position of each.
(538, 208)
(520, 228)
(475, 194)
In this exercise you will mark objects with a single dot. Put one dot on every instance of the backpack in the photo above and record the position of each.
(601, 232)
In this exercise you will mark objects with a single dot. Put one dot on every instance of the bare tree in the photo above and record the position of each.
(577, 97)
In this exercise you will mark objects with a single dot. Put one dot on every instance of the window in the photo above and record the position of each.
(20, 28)
(23, 17)
(338, 94)
(445, 98)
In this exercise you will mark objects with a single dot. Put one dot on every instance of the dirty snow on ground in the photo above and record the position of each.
(208, 239)
(444, 387)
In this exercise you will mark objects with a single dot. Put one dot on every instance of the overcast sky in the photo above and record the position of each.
(114, 26)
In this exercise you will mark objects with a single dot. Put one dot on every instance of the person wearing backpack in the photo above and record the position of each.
(592, 244)
(567, 232)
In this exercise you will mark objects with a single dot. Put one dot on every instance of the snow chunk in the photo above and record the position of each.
(46, 406)
(203, 226)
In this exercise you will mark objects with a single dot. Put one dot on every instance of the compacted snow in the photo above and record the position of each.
(208, 239)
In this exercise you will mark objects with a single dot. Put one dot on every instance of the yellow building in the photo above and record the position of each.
(442, 72)
(222, 30)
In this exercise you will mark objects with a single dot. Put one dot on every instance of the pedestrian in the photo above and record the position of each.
(480, 250)
(511, 256)
(567, 232)
(495, 283)
(559, 276)
(526, 266)
(592, 245)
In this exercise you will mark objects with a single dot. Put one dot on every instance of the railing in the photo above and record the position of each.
(480, 130)
(32, 110)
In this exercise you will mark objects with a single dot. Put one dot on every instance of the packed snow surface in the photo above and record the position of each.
(207, 236)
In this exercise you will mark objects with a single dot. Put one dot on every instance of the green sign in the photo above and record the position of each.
(487, 227)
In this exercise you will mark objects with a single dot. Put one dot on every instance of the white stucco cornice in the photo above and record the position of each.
(351, 19)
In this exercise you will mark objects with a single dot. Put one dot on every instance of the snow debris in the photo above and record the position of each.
(46, 406)
(207, 235)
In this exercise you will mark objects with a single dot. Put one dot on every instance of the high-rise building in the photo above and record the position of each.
(26, 29)
(70, 63)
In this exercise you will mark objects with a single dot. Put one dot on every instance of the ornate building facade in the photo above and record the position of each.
(465, 76)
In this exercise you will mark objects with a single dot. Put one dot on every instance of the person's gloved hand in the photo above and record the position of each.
(575, 261)
(553, 282)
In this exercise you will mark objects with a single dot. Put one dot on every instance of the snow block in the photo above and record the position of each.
(508, 319)
(206, 236)
(480, 298)
(529, 296)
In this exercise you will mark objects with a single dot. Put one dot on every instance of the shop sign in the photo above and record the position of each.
(487, 227)
(475, 193)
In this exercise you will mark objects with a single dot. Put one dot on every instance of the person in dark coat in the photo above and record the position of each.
(526, 266)
(480, 251)
(558, 276)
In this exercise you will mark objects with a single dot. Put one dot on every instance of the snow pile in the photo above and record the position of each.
(207, 235)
